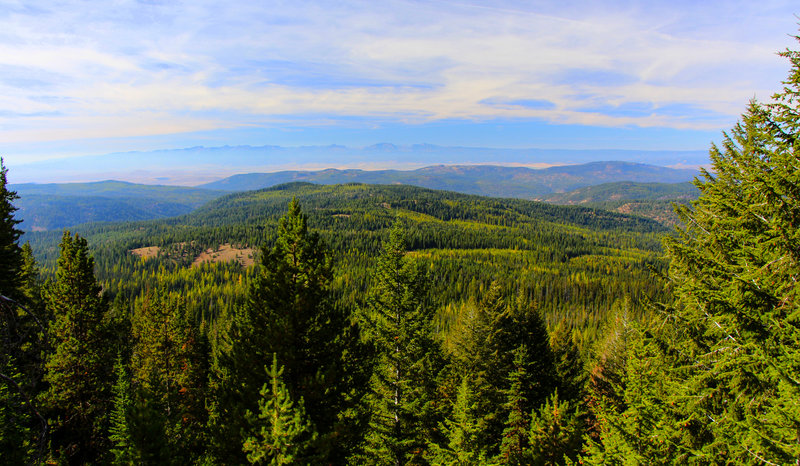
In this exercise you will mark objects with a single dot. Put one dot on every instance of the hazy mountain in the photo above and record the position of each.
(651, 200)
(197, 165)
(57, 206)
(626, 190)
(484, 180)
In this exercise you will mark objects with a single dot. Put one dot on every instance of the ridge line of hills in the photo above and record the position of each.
(60, 205)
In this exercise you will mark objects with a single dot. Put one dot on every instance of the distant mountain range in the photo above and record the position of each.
(485, 180)
(196, 165)
(57, 206)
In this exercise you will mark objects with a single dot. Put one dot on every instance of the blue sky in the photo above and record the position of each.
(81, 78)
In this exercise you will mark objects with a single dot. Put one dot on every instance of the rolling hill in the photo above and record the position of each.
(485, 180)
(57, 206)
(651, 200)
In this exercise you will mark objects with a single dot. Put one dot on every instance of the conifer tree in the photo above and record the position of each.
(122, 449)
(288, 314)
(514, 446)
(636, 418)
(734, 330)
(169, 367)
(10, 252)
(398, 324)
(22, 334)
(78, 368)
(284, 433)
(462, 432)
(519, 366)
(556, 432)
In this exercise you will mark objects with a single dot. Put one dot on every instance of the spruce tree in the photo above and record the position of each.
(122, 449)
(514, 446)
(23, 429)
(408, 359)
(10, 252)
(556, 432)
(736, 333)
(284, 433)
(462, 432)
(519, 366)
(80, 365)
(169, 372)
(715, 379)
(288, 314)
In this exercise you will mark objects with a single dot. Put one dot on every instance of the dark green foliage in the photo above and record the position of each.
(78, 398)
(22, 335)
(732, 271)
(169, 378)
(515, 435)
(122, 449)
(462, 432)
(23, 429)
(398, 324)
(284, 434)
(556, 432)
(10, 252)
(714, 379)
(288, 314)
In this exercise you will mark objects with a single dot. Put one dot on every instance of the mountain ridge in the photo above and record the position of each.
(488, 180)
(198, 165)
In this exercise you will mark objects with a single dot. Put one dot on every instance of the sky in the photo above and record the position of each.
(86, 78)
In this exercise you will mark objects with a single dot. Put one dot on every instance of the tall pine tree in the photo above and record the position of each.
(10, 252)
(289, 314)
(80, 365)
(727, 353)
(23, 429)
(408, 358)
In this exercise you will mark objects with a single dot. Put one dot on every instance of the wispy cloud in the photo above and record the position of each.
(123, 69)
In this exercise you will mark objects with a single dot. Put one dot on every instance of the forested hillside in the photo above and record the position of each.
(651, 200)
(575, 267)
(56, 206)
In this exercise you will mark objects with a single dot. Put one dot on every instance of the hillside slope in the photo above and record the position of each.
(57, 206)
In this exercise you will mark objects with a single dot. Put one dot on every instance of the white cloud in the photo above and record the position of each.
(129, 68)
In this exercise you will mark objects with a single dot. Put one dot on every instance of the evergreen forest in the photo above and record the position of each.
(391, 324)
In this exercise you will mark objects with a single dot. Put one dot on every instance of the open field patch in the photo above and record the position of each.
(226, 253)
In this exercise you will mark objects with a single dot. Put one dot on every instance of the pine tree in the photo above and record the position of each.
(284, 433)
(120, 436)
(78, 368)
(462, 432)
(289, 314)
(408, 358)
(556, 432)
(734, 330)
(169, 367)
(10, 252)
(514, 446)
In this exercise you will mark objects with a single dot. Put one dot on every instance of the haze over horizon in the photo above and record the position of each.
(90, 79)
